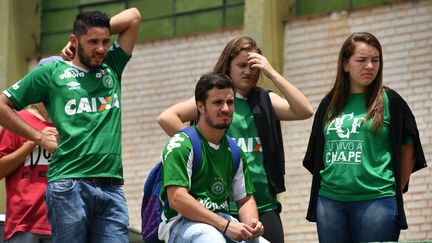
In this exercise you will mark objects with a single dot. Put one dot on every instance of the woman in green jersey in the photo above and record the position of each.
(363, 147)
(255, 124)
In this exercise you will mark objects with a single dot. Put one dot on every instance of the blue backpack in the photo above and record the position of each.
(151, 210)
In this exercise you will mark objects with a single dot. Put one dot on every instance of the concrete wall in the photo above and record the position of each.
(162, 73)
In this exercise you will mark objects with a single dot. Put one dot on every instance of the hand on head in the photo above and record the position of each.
(68, 52)
(260, 62)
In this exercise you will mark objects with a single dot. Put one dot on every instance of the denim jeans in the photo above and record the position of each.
(80, 211)
(27, 237)
(187, 231)
(361, 221)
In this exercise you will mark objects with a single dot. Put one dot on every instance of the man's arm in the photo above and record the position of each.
(181, 201)
(126, 24)
(248, 214)
(11, 121)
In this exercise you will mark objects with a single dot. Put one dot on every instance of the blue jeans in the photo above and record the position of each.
(187, 231)
(27, 237)
(80, 211)
(361, 221)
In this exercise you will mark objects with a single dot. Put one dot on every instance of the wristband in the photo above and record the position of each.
(226, 227)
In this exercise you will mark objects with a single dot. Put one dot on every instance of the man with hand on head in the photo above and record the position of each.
(84, 197)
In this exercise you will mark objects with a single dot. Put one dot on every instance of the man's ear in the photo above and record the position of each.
(74, 41)
(200, 107)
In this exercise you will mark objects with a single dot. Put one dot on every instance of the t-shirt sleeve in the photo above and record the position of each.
(32, 88)
(242, 184)
(177, 161)
(117, 59)
(8, 142)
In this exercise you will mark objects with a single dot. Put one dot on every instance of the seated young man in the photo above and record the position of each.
(197, 206)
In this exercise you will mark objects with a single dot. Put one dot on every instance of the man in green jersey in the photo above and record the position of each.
(84, 197)
(196, 206)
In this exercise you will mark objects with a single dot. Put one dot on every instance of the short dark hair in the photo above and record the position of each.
(210, 81)
(86, 20)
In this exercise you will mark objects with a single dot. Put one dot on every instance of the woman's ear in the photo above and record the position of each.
(345, 66)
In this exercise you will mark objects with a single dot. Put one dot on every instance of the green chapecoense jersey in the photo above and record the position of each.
(245, 132)
(85, 108)
(357, 159)
(213, 182)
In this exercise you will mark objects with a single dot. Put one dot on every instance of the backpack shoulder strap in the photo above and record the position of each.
(197, 150)
(235, 152)
(196, 146)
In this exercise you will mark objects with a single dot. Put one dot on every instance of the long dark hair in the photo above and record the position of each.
(341, 88)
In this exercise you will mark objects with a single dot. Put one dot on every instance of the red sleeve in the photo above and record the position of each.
(9, 142)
